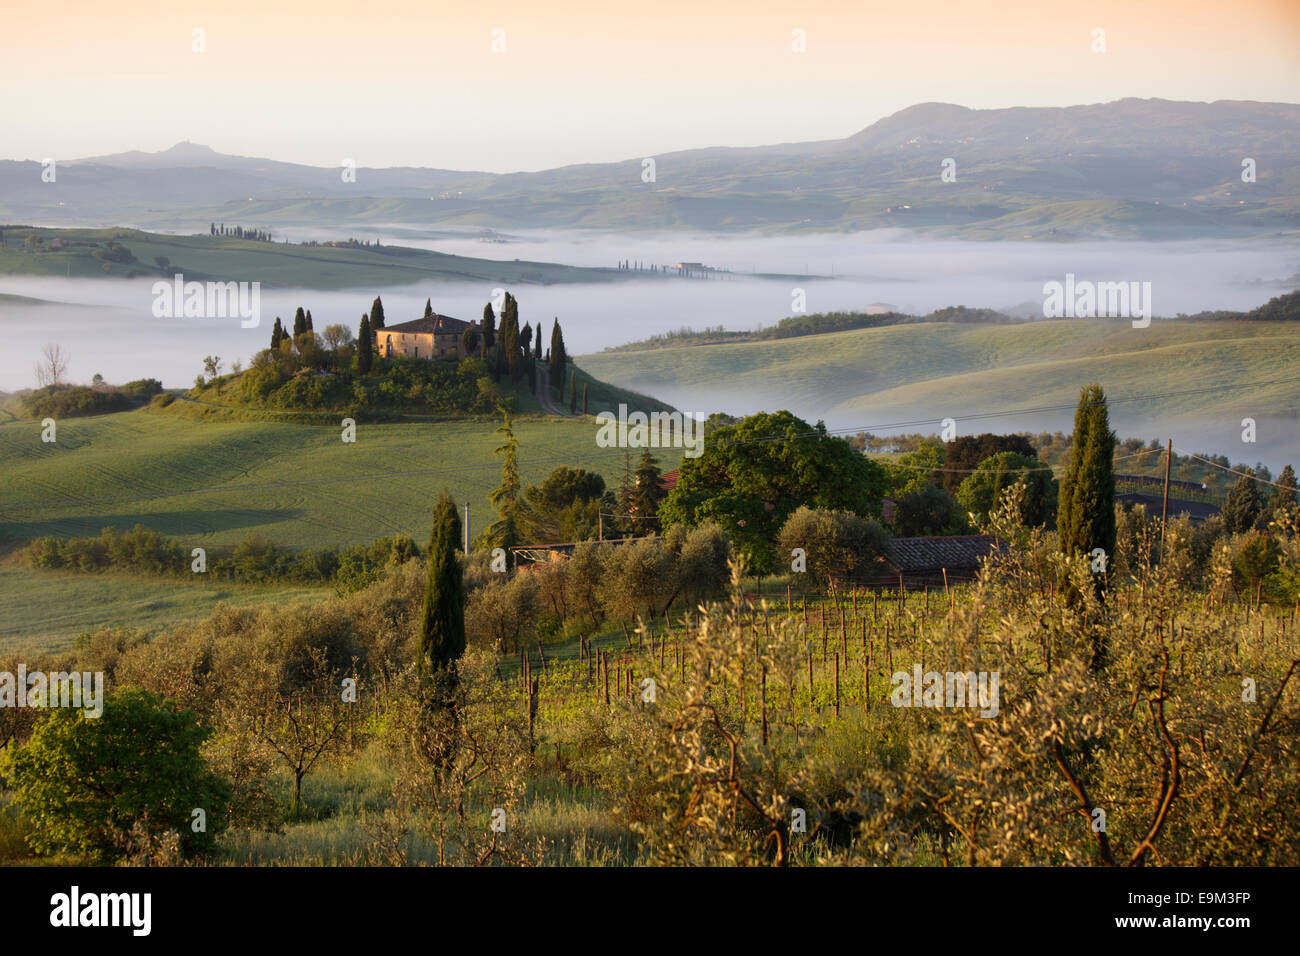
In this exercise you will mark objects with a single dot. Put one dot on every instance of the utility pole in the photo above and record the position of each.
(1164, 504)
(467, 529)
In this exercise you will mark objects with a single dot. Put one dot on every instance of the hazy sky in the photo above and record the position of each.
(415, 82)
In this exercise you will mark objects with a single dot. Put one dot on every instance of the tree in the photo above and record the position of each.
(277, 335)
(1085, 519)
(1243, 504)
(962, 455)
(376, 315)
(52, 365)
(336, 336)
(930, 510)
(752, 475)
(212, 366)
(559, 358)
(504, 532)
(86, 783)
(489, 327)
(307, 322)
(584, 395)
(646, 494)
(566, 507)
(834, 542)
(365, 347)
(299, 323)
(442, 625)
(428, 308)
(573, 394)
(163, 263)
(508, 349)
(526, 339)
(980, 492)
(469, 340)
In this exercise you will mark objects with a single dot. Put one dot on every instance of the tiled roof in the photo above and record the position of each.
(434, 323)
(958, 552)
(668, 480)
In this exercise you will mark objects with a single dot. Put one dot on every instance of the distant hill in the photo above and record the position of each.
(72, 252)
(1133, 168)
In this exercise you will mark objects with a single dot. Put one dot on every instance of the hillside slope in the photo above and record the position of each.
(1196, 380)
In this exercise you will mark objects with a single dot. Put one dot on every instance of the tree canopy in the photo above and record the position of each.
(752, 476)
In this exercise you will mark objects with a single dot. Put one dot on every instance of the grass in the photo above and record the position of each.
(912, 373)
(46, 610)
(214, 482)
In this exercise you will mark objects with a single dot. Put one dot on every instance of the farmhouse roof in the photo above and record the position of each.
(955, 553)
(433, 323)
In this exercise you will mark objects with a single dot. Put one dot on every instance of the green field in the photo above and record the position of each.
(204, 257)
(45, 610)
(1197, 380)
(215, 482)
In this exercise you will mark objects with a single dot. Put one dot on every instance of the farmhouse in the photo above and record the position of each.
(433, 336)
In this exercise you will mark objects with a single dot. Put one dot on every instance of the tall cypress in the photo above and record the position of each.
(428, 308)
(509, 345)
(573, 392)
(1086, 513)
(365, 348)
(376, 315)
(307, 321)
(584, 398)
(442, 624)
(559, 357)
(277, 333)
(299, 322)
(489, 327)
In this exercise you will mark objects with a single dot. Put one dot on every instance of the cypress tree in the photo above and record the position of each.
(428, 308)
(308, 322)
(365, 348)
(559, 357)
(299, 322)
(442, 624)
(573, 392)
(537, 343)
(376, 315)
(489, 327)
(509, 345)
(277, 333)
(584, 398)
(1086, 514)
(526, 339)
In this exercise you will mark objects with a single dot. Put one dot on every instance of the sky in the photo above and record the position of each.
(418, 83)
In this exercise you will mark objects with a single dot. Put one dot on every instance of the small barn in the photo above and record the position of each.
(921, 562)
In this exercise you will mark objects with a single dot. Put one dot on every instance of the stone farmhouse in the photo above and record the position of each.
(433, 336)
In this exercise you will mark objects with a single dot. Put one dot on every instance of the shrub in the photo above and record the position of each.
(87, 783)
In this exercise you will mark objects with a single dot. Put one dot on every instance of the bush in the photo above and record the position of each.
(63, 401)
(88, 783)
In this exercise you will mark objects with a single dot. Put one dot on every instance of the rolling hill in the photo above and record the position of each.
(1132, 168)
(69, 252)
(1193, 381)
